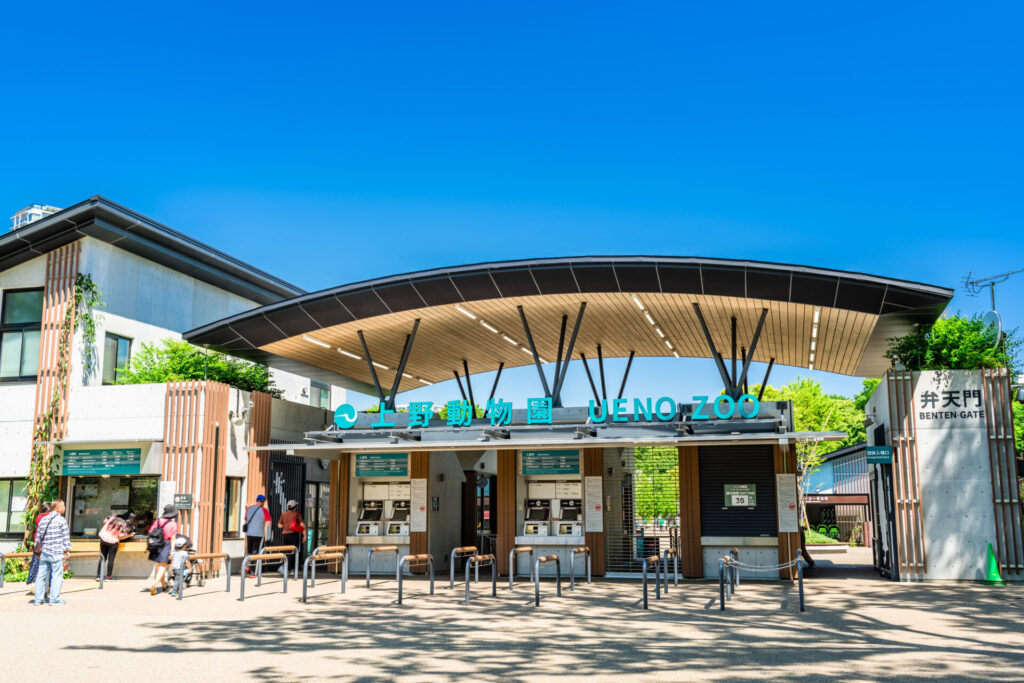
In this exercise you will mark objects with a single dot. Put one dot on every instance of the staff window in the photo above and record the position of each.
(319, 395)
(13, 501)
(233, 507)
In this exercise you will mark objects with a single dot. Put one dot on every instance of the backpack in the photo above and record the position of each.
(155, 540)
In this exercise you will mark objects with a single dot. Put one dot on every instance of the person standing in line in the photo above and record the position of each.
(115, 529)
(257, 522)
(163, 529)
(294, 531)
(44, 510)
(53, 543)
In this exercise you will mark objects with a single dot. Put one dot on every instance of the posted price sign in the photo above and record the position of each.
(740, 495)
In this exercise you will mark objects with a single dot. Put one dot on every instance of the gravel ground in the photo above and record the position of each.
(857, 628)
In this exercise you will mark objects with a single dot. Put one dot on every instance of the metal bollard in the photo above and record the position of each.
(572, 565)
(735, 554)
(721, 585)
(800, 577)
(403, 560)
(536, 577)
(369, 557)
(461, 551)
(657, 579)
(476, 561)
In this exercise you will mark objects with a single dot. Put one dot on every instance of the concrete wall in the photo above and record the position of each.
(956, 479)
(17, 409)
(444, 527)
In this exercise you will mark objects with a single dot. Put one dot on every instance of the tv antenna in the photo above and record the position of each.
(974, 288)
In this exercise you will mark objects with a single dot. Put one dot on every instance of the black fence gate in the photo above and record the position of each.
(287, 482)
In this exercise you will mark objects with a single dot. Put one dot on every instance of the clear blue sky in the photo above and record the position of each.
(332, 142)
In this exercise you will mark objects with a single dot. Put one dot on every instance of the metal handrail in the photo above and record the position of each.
(647, 561)
(462, 552)
(536, 576)
(325, 549)
(425, 557)
(585, 550)
(294, 549)
(325, 557)
(13, 556)
(674, 552)
(512, 564)
(179, 582)
(377, 549)
(476, 561)
(259, 559)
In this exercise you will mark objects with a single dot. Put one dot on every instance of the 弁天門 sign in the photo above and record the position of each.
(551, 462)
(879, 455)
(98, 461)
(740, 495)
(382, 464)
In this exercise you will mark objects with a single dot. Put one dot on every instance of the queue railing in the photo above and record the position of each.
(200, 559)
(512, 555)
(377, 549)
(674, 554)
(476, 561)
(320, 549)
(647, 562)
(410, 560)
(585, 551)
(313, 559)
(460, 552)
(536, 576)
(728, 574)
(293, 549)
(262, 557)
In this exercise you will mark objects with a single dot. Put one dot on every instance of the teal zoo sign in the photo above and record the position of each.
(382, 464)
(99, 461)
(551, 462)
(662, 409)
(879, 455)
(740, 495)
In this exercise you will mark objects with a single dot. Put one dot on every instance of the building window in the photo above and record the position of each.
(93, 498)
(116, 350)
(233, 506)
(319, 395)
(13, 501)
(20, 327)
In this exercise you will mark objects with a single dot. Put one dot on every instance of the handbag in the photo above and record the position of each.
(296, 527)
(37, 551)
(250, 514)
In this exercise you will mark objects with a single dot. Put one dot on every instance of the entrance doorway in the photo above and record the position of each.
(317, 514)
(480, 511)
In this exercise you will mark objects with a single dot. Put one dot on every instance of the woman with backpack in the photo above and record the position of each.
(158, 542)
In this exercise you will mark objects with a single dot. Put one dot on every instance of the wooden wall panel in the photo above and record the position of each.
(258, 480)
(58, 292)
(789, 543)
(906, 481)
(213, 467)
(337, 524)
(183, 405)
(691, 556)
(506, 526)
(593, 464)
(1006, 503)
(419, 468)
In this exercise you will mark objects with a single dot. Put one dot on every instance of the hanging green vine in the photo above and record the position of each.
(43, 480)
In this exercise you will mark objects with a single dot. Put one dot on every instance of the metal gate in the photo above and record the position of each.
(287, 482)
(642, 499)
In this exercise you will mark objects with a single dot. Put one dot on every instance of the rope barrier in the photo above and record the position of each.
(728, 574)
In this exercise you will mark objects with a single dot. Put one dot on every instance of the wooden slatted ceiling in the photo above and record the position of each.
(446, 336)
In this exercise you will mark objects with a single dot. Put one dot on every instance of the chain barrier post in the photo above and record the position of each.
(721, 584)
(800, 576)
(735, 553)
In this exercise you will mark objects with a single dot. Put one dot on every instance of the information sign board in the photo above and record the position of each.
(551, 462)
(382, 464)
(879, 455)
(98, 461)
(740, 495)
(183, 501)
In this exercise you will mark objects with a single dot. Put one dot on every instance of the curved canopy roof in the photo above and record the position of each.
(641, 304)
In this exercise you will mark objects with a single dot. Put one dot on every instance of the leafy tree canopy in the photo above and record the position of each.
(173, 360)
(955, 343)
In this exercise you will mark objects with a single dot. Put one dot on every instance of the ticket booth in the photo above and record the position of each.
(380, 494)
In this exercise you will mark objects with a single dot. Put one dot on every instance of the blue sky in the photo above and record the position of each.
(328, 143)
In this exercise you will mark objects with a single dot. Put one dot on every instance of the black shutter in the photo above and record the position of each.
(290, 471)
(721, 465)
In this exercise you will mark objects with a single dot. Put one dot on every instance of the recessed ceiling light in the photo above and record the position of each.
(637, 302)
(814, 332)
(492, 328)
(649, 318)
(423, 381)
(350, 355)
(676, 354)
(817, 314)
(668, 343)
(812, 358)
(541, 359)
(509, 339)
(316, 341)
(526, 350)
(811, 366)
(406, 375)
(464, 312)
(660, 333)
(381, 366)
(814, 344)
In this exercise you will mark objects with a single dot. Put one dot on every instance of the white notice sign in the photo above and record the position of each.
(165, 494)
(567, 489)
(594, 517)
(785, 494)
(418, 495)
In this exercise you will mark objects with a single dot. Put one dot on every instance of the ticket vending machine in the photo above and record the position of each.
(538, 514)
(370, 513)
(398, 523)
(569, 522)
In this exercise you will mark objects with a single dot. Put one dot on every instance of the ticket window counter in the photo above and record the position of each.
(379, 495)
(93, 499)
(549, 506)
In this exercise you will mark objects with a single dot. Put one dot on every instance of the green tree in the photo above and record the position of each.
(173, 360)
(955, 343)
(656, 481)
(860, 401)
(1018, 427)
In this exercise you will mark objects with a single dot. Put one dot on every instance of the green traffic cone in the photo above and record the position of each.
(992, 575)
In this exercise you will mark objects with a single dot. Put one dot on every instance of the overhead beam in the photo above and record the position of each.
(469, 385)
(533, 350)
(629, 363)
(369, 364)
(590, 378)
(409, 339)
(753, 345)
(764, 383)
(560, 376)
(600, 368)
(726, 380)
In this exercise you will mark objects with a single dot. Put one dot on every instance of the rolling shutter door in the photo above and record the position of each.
(722, 465)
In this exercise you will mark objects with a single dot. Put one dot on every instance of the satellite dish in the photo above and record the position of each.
(994, 323)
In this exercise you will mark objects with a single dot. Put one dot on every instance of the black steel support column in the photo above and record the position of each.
(558, 360)
(629, 363)
(409, 339)
(767, 373)
(469, 385)
(369, 363)
(711, 345)
(600, 367)
(560, 375)
(459, 380)
(590, 378)
(753, 346)
(732, 323)
(533, 350)
(494, 387)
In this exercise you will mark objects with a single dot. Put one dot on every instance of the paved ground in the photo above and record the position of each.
(854, 629)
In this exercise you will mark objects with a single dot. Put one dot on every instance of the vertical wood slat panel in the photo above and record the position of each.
(419, 541)
(1006, 504)
(338, 501)
(258, 479)
(991, 429)
(906, 473)
(1012, 503)
(214, 463)
(593, 464)
(691, 553)
(506, 506)
(898, 457)
(788, 541)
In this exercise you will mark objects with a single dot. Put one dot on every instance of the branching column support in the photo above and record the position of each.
(734, 385)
